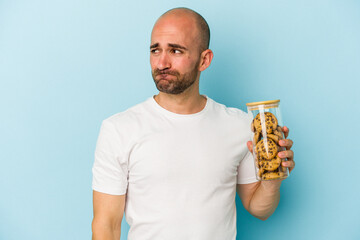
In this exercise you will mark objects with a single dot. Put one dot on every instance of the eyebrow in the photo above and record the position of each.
(154, 45)
(173, 45)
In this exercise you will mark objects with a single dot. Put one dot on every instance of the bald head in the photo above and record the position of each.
(201, 24)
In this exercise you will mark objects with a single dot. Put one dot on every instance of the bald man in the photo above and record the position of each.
(175, 162)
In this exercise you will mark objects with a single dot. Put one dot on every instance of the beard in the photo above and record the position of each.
(177, 86)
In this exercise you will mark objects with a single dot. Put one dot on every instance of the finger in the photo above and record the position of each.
(286, 130)
(287, 143)
(249, 145)
(289, 164)
(286, 154)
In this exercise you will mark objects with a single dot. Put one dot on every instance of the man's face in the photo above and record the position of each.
(174, 54)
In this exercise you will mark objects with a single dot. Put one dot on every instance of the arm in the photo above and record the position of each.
(108, 214)
(262, 198)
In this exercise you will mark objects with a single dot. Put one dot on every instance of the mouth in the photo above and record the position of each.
(163, 76)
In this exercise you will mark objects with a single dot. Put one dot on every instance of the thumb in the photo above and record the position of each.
(250, 146)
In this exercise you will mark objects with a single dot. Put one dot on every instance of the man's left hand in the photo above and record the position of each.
(288, 153)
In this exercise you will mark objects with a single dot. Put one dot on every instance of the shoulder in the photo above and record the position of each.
(230, 112)
(127, 118)
(232, 120)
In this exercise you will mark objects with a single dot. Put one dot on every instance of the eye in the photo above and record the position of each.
(176, 51)
(155, 50)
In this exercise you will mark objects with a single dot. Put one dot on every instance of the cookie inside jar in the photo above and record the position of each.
(267, 132)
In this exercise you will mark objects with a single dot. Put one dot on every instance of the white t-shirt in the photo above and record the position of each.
(178, 171)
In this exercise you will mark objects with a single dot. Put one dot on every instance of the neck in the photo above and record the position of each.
(188, 102)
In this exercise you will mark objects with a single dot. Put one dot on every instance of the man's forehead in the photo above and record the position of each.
(171, 41)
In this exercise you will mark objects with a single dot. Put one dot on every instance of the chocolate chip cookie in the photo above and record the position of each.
(265, 120)
(266, 148)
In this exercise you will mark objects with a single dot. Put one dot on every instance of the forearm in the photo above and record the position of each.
(265, 200)
(105, 232)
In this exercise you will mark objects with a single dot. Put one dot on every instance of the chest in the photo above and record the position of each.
(186, 156)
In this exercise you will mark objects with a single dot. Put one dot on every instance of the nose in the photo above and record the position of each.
(163, 61)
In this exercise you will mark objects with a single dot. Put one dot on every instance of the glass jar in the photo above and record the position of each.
(267, 131)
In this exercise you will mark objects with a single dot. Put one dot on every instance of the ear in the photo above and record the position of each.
(205, 59)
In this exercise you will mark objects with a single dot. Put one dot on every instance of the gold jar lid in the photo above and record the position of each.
(268, 104)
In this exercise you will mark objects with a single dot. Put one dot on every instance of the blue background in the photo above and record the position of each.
(67, 65)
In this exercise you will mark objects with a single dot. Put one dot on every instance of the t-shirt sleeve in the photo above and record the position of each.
(246, 170)
(110, 169)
